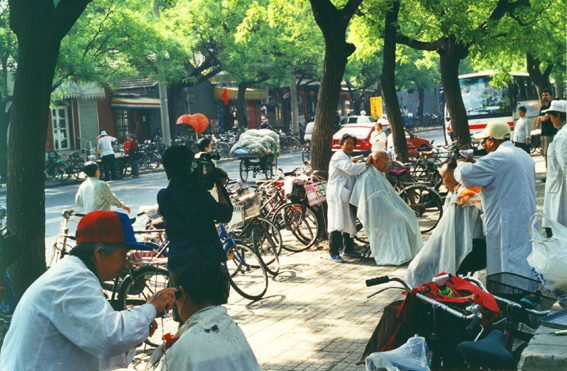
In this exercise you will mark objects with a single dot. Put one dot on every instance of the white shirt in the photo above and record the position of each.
(64, 322)
(209, 340)
(105, 145)
(507, 178)
(94, 194)
(555, 202)
(378, 140)
(521, 130)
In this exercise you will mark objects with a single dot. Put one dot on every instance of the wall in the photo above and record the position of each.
(201, 101)
(411, 101)
(105, 116)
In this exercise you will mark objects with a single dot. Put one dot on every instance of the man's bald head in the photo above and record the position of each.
(380, 160)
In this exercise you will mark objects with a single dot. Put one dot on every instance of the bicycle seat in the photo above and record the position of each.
(489, 352)
(398, 173)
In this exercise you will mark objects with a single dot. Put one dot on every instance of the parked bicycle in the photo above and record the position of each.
(55, 168)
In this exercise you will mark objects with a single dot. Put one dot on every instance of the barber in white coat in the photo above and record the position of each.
(507, 178)
(555, 202)
(341, 218)
(378, 138)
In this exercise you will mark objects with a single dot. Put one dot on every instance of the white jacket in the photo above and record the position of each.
(555, 202)
(378, 140)
(64, 322)
(342, 175)
(507, 178)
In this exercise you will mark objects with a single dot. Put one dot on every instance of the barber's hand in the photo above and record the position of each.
(369, 160)
(163, 300)
(153, 327)
(126, 208)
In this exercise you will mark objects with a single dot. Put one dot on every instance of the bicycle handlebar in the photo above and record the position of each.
(377, 281)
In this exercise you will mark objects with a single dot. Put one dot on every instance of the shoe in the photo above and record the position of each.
(543, 179)
(351, 254)
(337, 259)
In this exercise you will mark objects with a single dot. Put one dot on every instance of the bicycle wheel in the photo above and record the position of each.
(306, 156)
(61, 171)
(154, 161)
(426, 203)
(143, 162)
(243, 170)
(267, 241)
(297, 221)
(136, 289)
(245, 271)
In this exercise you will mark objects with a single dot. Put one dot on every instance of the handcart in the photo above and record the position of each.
(266, 164)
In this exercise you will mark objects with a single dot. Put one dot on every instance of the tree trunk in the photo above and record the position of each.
(241, 105)
(450, 58)
(539, 79)
(293, 97)
(559, 88)
(30, 113)
(4, 123)
(388, 84)
(421, 103)
(173, 93)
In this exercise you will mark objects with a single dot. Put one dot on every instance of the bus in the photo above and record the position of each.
(486, 102)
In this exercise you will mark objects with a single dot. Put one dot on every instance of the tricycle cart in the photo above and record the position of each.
(261, 163)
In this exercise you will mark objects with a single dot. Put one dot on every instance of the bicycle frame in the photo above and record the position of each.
(228, 242)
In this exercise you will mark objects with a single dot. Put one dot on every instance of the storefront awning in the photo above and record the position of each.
(233, 93)
(135, 103)
(75, 90)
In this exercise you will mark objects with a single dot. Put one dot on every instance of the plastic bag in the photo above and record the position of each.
(549, 257)
(412, 356)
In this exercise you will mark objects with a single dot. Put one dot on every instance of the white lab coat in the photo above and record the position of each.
(209, 340)
(555, 202)
(390, 224)
(64, 322)
(342, 175)
(450, 242)
(391, 148)
(507, 178)
(378, 140)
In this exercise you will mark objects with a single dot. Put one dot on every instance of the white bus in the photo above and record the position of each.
(485, 102)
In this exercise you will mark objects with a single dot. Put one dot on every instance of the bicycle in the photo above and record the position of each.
(75, 165)
(306, 153)
(55, 167)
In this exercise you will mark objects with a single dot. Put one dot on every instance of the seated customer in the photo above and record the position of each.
(457, 235)
(389, 223)
(208, 339)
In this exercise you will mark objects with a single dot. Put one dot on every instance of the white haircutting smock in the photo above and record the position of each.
(555, 202)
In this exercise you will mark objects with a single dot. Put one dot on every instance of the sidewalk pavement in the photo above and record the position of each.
(315, 315)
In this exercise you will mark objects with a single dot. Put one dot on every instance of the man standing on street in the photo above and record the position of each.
(507, 179)
(64, 321)
(378, 138)
(522, 131)
(106, 152)
(547, 128)
(95, 194)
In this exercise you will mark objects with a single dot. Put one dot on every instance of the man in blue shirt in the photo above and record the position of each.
(190, 214)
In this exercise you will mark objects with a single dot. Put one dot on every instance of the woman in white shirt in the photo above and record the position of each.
(378, 138)
(522, 131)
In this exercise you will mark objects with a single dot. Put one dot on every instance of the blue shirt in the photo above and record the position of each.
(190, 216)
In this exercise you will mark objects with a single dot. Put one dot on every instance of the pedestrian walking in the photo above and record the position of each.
(95, 194)
(342, 176)
(507, 179)
(132, 151)
(64, 320)
(555, 201)
(106, 152)
(548, 131)
(522, 131)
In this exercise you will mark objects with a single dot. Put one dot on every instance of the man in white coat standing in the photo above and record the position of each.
(341, 218)
(555, 203)
(507, 178)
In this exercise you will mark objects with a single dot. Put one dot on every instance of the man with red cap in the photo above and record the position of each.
(64, 322)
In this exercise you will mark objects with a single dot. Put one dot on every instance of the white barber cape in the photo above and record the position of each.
(450, 242)
(209, 340)
(342, 175)
(507, 178)
(64, 322)
(389, 223)
(555, 202)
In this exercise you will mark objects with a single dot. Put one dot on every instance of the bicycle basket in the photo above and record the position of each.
(245, 207)
(297, 192)
(316, 193)
(515, 288)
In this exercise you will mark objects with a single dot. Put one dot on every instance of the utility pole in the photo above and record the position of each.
(164, 109)
(293, 97)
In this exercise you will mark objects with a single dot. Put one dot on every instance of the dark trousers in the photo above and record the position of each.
(109, 166)
(523, 146)
(338, 239)
(134, 165)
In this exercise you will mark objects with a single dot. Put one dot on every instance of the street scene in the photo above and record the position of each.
(245, 185)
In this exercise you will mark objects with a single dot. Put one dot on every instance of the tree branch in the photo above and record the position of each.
(66, 14)
(419, 45)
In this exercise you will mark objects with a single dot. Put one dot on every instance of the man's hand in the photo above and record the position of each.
(163, 300)
(153, 327)
(126, 208)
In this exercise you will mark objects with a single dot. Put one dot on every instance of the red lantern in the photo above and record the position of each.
(186, 119)
(302, 93)
(312, 93)
(201, 123)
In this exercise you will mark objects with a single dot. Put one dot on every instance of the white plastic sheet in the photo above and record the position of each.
(412, 356)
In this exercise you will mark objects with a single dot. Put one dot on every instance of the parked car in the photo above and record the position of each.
(358, 120)
(362, 133)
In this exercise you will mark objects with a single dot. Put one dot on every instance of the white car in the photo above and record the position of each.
(358, 120)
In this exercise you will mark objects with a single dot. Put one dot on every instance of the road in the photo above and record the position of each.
(142, 191)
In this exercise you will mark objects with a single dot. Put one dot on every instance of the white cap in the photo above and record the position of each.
(363, 113)
(557, 106)
(496, 130)
(103, 133)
